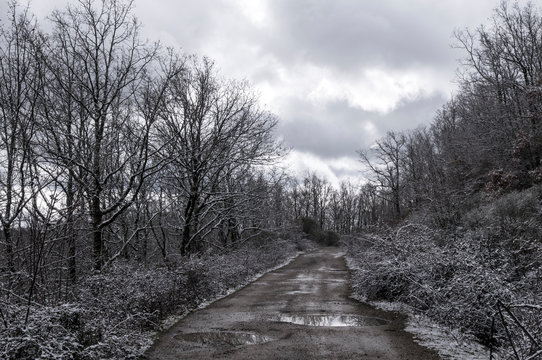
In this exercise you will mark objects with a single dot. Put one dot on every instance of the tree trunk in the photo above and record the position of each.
(70, 229)
(9, 247)
(97, 236)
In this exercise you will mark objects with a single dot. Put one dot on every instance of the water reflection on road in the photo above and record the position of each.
(332, 320)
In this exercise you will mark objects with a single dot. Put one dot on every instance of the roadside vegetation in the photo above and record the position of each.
(482, 277)
(117, 313)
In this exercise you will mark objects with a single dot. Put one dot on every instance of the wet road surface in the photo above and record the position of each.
(300, 311)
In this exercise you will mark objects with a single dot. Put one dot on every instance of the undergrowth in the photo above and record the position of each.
(114, 314)
(483, 277)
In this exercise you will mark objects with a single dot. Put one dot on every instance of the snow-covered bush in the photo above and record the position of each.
(482, 278)
(114, 312)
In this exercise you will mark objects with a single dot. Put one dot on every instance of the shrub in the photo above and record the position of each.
(315, 233)
(331, 238)
(310, 227)
(482, 278)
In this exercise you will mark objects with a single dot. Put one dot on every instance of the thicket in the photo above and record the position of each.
(114, 314)
(317, 234)
(483, 278)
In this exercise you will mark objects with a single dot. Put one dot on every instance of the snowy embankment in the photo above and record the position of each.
(449, 343)
(117, 313)
(481, 277)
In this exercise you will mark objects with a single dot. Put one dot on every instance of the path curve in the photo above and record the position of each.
(300, 311)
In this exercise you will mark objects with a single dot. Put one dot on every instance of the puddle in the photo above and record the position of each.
(332, 320)
(231, 338)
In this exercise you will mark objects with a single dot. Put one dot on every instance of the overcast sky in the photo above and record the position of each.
(338, 73)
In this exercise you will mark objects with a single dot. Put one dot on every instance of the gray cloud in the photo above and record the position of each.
(329, 132)
(338, 130)
(349, 34)
(339, 34)
(411, 114)
(205, 27)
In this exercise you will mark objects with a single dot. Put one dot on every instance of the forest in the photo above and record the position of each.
(136, 183)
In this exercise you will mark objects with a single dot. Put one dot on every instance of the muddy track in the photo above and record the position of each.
(300, 311)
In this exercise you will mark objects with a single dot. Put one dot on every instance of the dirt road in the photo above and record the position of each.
(300, 311)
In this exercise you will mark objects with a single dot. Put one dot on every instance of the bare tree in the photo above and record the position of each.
(384, 161)
(502, 87)
(368, 205)
(212, 130)
(112, 95)
(19, 79)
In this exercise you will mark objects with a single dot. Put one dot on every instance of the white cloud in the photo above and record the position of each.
(375, 89)
(372, 90)
(371, 130)
(344, 163)
(255, 10)
(335, 170)
(300, 163)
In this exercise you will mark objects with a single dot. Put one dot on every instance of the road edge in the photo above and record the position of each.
(172, 320)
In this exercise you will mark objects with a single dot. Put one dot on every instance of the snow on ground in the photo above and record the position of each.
(450, 344)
